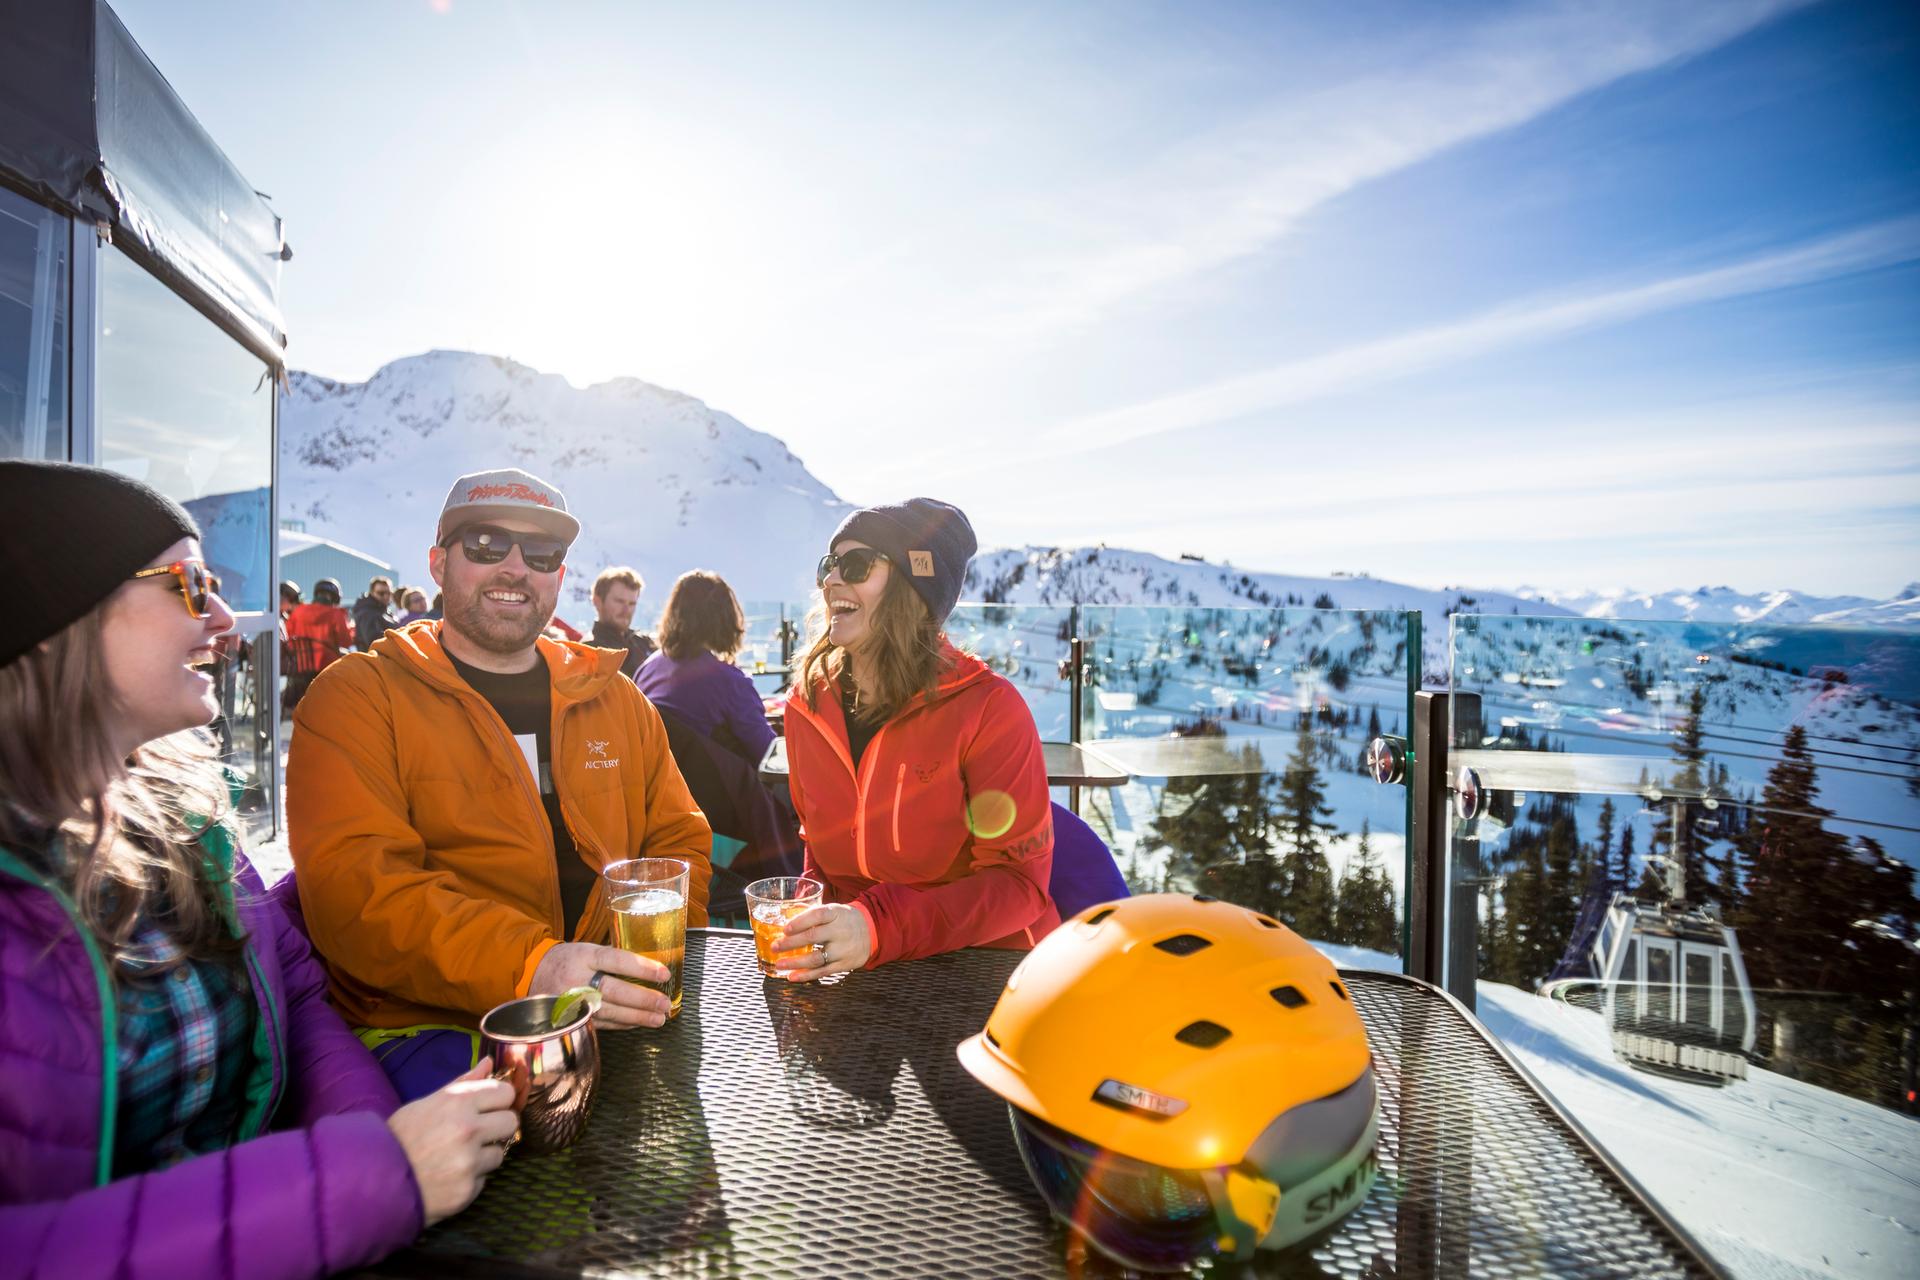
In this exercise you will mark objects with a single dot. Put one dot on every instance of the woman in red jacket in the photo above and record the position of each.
(916, 772)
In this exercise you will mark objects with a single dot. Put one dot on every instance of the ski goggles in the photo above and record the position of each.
(1159, 1219)
(855, 566)
(485, 544)
(1142, 1215)
(197, 586)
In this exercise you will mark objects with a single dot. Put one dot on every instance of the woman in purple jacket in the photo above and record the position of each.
(180, 1098)
(693, 675)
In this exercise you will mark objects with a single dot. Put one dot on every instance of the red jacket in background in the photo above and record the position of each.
(316, 634)
(944, 834)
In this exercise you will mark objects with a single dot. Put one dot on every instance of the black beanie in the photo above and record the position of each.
(73, 535)
(930, 542)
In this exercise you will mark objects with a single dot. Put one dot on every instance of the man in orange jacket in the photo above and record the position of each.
(453, 793)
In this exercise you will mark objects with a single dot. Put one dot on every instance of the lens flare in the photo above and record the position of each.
(990, 814)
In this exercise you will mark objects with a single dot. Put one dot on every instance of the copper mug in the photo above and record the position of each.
(553, 1070)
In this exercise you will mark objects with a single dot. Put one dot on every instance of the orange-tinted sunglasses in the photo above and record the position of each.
(197, 586)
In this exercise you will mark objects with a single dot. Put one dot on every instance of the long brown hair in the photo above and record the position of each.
(702, 615)
(906, 647)
(129, 827)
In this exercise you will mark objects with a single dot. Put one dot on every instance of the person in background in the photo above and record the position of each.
(289, 598)
(414, 601)
(453, 794)
(318, 632)
(616, 593)
(917, 772)
(373, 614)
(180, 1098)
(438, 611)
(693, 675)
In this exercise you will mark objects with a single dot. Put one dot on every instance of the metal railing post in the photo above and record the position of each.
(1076, 691)
(1426, 837)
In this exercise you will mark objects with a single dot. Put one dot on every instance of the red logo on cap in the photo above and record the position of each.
(516, 492)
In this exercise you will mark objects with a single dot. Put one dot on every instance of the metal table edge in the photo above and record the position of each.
(1593, 1146)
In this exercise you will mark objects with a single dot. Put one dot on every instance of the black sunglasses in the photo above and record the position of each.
(484, 544)
(855, 566)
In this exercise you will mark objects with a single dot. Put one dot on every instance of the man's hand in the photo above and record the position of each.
(623, 1004)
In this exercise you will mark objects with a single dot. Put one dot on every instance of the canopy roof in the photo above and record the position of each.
(90, 127)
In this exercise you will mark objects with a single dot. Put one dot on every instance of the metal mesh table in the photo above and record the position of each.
(828, 1130)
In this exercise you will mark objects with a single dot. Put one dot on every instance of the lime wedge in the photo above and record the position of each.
(568, 1005)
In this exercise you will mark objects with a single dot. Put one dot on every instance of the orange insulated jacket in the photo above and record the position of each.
(424, 859)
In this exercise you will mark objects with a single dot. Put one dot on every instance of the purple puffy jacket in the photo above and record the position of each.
(326, 1187)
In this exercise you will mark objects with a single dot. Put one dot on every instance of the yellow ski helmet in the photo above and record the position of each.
(1185, 1078)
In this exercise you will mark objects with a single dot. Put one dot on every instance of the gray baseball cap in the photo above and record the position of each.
(507, 494)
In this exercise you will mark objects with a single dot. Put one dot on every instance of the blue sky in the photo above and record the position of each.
(1562, 294)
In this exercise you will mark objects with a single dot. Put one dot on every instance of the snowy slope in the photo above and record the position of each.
(659, 480)
(1110, 576)
(1775, 1177)
(1724, 604)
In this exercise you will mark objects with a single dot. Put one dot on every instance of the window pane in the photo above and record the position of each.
(33, 330)
(1697, 995)
(190, 411)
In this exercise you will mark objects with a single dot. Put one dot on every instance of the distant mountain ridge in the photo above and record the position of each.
(664, 482)
(658, 479)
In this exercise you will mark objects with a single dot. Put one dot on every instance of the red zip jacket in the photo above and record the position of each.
(316, 633)
(944, 835)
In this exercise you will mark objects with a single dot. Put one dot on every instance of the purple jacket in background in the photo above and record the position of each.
(330, 1190)
(706, 693)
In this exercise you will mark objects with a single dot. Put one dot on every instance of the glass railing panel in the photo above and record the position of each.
(245, 728)
(1028, 644)
(1243, 734)
(774, 637)
(1681, 891)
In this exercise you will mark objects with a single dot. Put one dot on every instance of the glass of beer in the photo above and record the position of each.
(770, 905)
(649, 901)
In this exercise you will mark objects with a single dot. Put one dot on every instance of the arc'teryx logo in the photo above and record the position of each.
(516, 491)
(598, 747)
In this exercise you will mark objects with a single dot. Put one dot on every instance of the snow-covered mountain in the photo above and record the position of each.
(1109, 576)
(665, 483)
(659, 480)
(1724, 604)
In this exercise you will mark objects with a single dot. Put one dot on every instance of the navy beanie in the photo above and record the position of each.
(74, 535)
(929, 542)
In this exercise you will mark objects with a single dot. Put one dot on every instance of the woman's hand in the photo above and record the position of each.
(456, 1137)
(622, 1004)
(838, 936)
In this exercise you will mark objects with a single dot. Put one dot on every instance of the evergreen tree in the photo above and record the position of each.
(1823, 914)
(1365, 914)
(1603, 839)
(1564, 884)
(1623, 876)
(1684, 838)
(1303, 810)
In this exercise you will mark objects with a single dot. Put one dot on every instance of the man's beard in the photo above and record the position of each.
(468, 615)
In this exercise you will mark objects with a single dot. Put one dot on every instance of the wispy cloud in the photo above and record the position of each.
(1367, 364)
(1235, 191)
